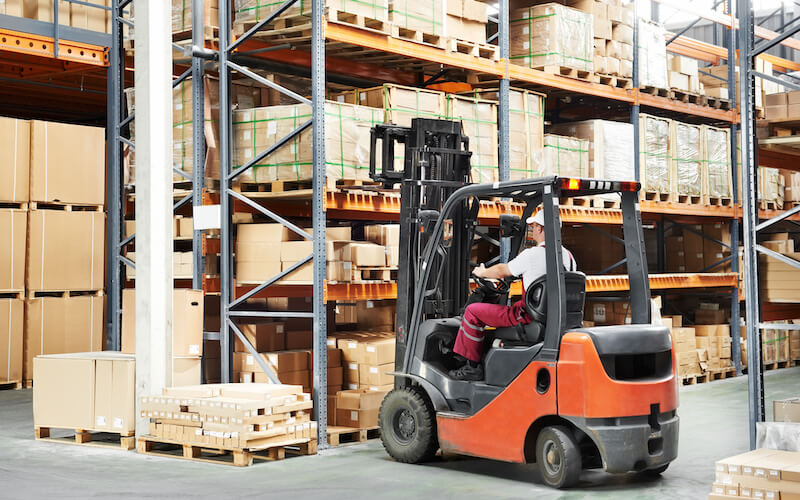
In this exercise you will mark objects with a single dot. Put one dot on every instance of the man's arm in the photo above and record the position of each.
(496, 272)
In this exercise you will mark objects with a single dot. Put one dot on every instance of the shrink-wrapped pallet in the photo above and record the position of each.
(400, 104)
(424, 16)
(610, 147)
(525, 130)
(654, 154)
(770, 185)
(252, 11)
(686, 159)
(347, 141)
(717, 175)
(552, 35)
(478, 119)
(182, 14)
(565, 156)
(652, 55)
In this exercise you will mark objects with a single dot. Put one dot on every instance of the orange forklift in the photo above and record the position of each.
(554, 393)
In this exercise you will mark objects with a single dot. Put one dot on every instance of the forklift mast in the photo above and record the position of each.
(436, 164)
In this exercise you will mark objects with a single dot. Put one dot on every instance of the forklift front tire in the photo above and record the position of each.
(558, 457)
(408, 426)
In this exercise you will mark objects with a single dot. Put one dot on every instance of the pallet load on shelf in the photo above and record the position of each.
(368, 356)
(610, 147)
(686, 157)
(478, 119)
(86, 392)
(714, 252)
(652, 55)
(400, 104)
(237, 417)
(715, 84)
(466, 20)
(683, 74)
(13, 224)
(182, 15)
(715, 340)
(654, 156)
(600, 255)
(565, 156)
(11, 8)
(69, 14)
(779, 281)
(554, 38)
(187, 332)
(716, 162)
(771, 187)
(688, 356)
(526, 130)
(248, 12)
(182, 266)
(792, 188)
(761, 473)
(782, 105)
(603, 313)
(421, 20)
(347, 141)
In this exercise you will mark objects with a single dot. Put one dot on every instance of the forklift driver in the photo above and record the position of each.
(530, 264)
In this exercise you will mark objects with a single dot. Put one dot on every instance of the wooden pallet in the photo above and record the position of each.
(365, 22)
(33, 294)
(600, 202)
(12, 294)
(18, 205)
(718, 202)
(28, 384)
(690, 199)
(344, 435)
(656, 91)
(694, 379)
(614, 81)
(576, 201)
(67, 207)
(11, 385)
(367, 275)
(483, 50)
(718, 102)
(89, 437)
(283, 186)
(688, 97)
(577, 74)
(240, 457)
(657, 196)
(721, 374)
(418, 36)
(770, 205)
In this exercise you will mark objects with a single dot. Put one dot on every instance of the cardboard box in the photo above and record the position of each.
(786, 410)
(375, 374)
(378, 352)
(11, 315)
(300, 339)
(345, 314)
(91, 391)
(77, 177)
(280, 362)
(11, 8)
(376, 314)
(14, 159)
(364, 254)
(42, 10)
(66, 250)
(358, 408)
(187, 322)
(13, 224)
(264, 337)
(56, 325)
(710, 316)
(351, 373)
(360, 419)
(186, 370)
(89, 18)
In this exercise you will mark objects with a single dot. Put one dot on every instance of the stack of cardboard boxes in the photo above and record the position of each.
(613, 36)
(688, 356)
(466, 20)
(187, 333)
(761, 473)
(683, 74)
(182, 15)
(478, 119)
(64, 262)
(688, 251)
(778, 279)
(69, 14)
(715, 84)
(565, 156)
(771, 188)
(230, 415)
(610, 147)
(715, 340)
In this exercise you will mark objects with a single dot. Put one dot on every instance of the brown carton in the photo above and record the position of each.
(186, 370)
(55, 325)
(114, 394)
(11, 315)
(379, 352)
(361, 419)
(64, 392)
(13, 224)
(77, 177)
(264, 337)
(786, 410)
(359, 400)
(14, 159)
(187, 323)
(375, 375)
(66, 250)
(365, 254)
(299, 339)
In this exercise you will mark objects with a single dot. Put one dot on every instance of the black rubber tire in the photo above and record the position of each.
(657, 471)
(563, 470)
(408, 426)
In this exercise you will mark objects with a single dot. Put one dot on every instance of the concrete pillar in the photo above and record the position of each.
(153, 63)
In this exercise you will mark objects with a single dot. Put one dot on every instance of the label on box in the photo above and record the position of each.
(353, 366)
(373, 369)
(249, 360)
(194, 349)
(525, 30)
(352, 345)
(352, 387)
(117, 423)
(100, 421)
(272, 128)
(362, 97)
(354, 415)
(340, 98)
(279, 328)
(370, 348)
(246, 134)
(370, 304)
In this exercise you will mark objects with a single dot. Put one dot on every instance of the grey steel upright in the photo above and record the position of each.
(635, 105)
(198, 138)
(734, 159)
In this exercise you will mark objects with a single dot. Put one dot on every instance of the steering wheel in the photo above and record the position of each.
(492, 287)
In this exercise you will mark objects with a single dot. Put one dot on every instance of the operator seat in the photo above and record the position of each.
(536, 307)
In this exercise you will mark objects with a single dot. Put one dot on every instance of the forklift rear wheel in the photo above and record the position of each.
(408, 426)
(558, 457)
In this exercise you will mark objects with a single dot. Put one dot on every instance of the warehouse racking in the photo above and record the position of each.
(337, 50)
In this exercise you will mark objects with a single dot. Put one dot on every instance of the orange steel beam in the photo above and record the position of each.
(528, 75)
(26, 43)
(686, 108)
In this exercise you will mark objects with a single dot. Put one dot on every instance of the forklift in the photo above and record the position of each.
(554, 393)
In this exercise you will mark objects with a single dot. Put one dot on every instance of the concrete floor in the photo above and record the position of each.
(713, 425)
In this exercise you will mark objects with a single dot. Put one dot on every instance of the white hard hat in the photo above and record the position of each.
(539, 219)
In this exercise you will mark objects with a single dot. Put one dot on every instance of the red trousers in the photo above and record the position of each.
(477, 316)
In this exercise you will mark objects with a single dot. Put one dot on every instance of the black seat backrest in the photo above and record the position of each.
(536, 299)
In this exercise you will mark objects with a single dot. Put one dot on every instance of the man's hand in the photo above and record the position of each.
(479, 271)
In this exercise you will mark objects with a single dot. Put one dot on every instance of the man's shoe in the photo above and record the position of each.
(469, 372)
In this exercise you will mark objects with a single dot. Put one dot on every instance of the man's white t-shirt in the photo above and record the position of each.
(531, 264)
